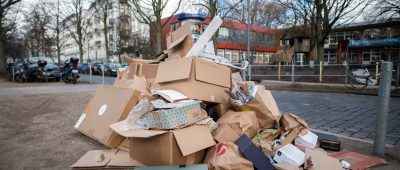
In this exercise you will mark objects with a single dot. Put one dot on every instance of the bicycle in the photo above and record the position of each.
(360, 78)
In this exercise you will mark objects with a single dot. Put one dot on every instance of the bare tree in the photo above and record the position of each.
(102, 9)
(37, 22)
(56, 12)
(388, 9)
(76, 25)
(150, 12)
(322, 15)
(5, 27)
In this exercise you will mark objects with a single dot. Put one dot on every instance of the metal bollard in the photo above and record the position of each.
(320, 71)
(102, 72)
(13, 73)
(90, 74)
(249, 72)
(292, 72)
(382, 116)
(279, 71)
(377, 71)
(346, 76)
(397, 75)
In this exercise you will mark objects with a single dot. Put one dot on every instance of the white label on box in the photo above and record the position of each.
(80, 120)
(102, 110)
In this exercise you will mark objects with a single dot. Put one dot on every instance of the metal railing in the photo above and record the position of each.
(317, 73)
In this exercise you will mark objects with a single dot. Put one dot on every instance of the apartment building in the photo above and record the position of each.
(125, 34)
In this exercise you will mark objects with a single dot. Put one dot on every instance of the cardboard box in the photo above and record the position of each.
(241, 122)
(290, 154)
(222, 108)
(195, 78)
(111, 158)
(179, 42)
(108, 105)
(141, 69)
(183, 113)
(160, 147)
(253, 154)
(317, 159)
(306, 139)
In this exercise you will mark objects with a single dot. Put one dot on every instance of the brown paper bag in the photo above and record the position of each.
(241, 122)
(226, 156)
(290, 121)
(264, 105)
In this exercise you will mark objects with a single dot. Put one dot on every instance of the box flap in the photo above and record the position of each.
(193, 138)
(138, 133)
(91, 158)
(320, 160)
(212, 73)
(174, 70)
(122, 159)
(140, 84)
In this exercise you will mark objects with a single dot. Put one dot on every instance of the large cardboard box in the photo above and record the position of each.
(142, 69)
(179, 42)
(160, 147)
(108, 105)
(195, 78)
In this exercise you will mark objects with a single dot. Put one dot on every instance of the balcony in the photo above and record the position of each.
(302, 48)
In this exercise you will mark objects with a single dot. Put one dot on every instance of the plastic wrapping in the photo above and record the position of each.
(132, 121)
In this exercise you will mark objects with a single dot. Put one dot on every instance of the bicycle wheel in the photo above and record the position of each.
(358, 82)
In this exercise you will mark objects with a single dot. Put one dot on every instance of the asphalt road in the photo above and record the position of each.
(97, 79)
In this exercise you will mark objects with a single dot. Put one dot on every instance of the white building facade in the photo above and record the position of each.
(120, 19)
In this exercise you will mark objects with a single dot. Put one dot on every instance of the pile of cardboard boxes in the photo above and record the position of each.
(188, 110)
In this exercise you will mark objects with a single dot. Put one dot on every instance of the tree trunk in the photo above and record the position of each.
(3, 59)
(158, 37)
(80, 53)
(105, 31)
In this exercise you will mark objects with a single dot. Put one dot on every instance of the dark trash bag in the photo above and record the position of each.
(42, 63)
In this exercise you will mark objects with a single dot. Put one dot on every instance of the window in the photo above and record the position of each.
(174, 26)
(260, 57)
(332, 39)
(223, 32)
(267, 55)
(366, 55)
(255, 57)
(235, 56)
(340, 36)
(228, 54)
(220, 52)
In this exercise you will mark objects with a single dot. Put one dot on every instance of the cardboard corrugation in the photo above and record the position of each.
(206, 85)
(119, 102)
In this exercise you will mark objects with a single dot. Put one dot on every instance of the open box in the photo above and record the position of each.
(196, 78)
(159, 147)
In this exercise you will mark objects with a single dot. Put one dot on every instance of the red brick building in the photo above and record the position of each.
(231, 37)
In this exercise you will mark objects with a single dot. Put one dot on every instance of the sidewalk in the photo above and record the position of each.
(322, 87)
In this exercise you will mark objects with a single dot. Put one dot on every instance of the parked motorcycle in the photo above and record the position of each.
(70, 72)
(30, 70)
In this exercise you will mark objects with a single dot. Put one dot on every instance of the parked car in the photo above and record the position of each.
(28, 69)
(84, 68)
(112, 69)
(96, 68)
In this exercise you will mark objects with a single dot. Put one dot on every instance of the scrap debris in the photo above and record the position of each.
(161, 113)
